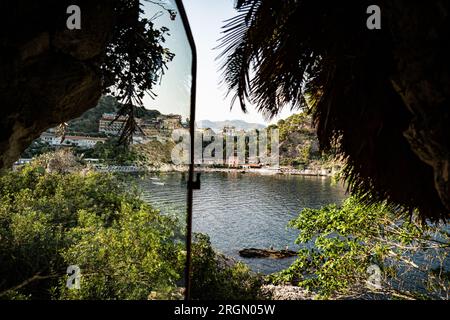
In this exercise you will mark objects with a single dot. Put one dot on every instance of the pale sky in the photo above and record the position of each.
(206, 18)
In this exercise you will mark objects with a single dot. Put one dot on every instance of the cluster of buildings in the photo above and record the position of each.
(110, 125)
(226, 131)
(160, 129)
(235, 152)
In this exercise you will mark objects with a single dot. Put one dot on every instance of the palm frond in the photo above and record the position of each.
(274, 53)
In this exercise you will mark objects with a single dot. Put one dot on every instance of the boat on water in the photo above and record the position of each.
(158, 183)
(154, 178)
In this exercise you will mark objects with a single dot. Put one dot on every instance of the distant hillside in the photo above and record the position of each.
(298, 140)
(239, 124)
(88, 122)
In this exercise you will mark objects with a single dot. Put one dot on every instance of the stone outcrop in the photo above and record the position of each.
(286, 292)
(422, 82)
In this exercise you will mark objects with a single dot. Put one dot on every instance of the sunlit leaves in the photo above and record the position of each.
(49, 221)
(340, 242)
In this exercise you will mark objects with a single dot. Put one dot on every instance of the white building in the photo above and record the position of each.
(110, 124)
(229, 130)
(83, 142)
(80, 141)
(50, 138)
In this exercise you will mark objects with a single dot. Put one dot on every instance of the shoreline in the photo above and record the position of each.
(270, 171)
(261, 171)
(167, 168)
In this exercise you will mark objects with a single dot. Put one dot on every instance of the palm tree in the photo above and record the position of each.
(382, 95)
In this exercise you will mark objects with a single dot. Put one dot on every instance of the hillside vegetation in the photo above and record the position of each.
(299, 146)
(87, 123)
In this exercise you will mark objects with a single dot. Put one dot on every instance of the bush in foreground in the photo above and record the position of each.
(349, 249)
(48, 221)
(51, 219)
(216, 277)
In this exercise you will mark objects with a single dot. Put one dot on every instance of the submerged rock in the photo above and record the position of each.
(266, 253)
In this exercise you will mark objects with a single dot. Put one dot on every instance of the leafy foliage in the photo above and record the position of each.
(87, 123)
(49, 221)
(36, 148)
(261, 38)
(214, 277)
(340, 243)
(154, 153)
(111, 152)
(298, 140)
(133, 256)
(135, 61)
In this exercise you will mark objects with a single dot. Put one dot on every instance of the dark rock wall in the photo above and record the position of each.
(422, 33)
(48, 74)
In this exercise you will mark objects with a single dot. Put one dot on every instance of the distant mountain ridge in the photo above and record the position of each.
(238, 124)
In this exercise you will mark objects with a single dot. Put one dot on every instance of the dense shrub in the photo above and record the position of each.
(48, 221)
(216, 277)
(342, 246)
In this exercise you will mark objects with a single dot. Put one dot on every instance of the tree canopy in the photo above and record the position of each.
(380, 95)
